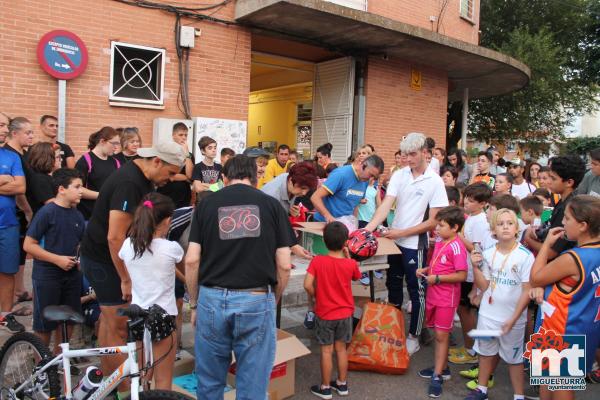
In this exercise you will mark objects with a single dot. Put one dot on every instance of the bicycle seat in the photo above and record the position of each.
(62, 313)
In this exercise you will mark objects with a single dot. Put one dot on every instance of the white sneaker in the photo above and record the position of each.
(412, 345)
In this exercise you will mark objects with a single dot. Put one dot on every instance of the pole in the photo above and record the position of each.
(464, 125)
(62, 109)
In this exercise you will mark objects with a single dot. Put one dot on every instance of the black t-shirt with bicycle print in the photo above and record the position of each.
(239, 229)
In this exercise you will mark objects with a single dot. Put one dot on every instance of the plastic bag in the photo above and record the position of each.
(379, 342)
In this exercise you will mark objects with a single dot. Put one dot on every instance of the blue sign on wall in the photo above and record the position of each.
(62, 54)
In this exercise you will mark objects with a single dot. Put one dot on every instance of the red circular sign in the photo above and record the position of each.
(62, 54)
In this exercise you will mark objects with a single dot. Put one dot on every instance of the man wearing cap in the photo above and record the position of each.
(520, 187)
(106, 232)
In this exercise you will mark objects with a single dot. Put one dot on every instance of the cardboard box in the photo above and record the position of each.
(312, 240)
(184, 381)
(283, 375)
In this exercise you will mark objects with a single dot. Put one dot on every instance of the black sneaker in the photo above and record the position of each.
(342, 390)
(10, 323)
(435, 386)
(320, 392)
(427, 373)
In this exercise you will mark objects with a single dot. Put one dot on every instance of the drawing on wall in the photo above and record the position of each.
(227, 132)
(303, 139)
(304, 135)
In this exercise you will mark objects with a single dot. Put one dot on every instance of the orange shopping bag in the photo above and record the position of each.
(379, 343)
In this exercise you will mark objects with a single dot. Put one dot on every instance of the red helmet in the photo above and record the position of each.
(362, 244)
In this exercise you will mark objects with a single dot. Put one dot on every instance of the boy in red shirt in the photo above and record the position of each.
(444, 275)
(328, 280)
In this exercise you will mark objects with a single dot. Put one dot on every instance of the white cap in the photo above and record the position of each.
(169, 152)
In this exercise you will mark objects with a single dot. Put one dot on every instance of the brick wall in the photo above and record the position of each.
(417, 13)
(219, 64)
(393, 109)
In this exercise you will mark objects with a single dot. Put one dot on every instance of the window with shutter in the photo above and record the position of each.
(356, 4)
(333, 105)
(467, 9)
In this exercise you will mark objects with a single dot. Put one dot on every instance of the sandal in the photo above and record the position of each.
(22, 311)
(23, 297)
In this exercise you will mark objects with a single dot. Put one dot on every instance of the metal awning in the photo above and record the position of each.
(483, 71)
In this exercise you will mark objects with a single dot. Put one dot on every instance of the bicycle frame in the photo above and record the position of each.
(128, 368)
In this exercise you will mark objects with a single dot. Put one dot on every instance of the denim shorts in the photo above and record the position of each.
(54, 292)
(337, 330)
(9, 250)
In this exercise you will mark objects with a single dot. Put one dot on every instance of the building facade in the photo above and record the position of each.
(363, 72)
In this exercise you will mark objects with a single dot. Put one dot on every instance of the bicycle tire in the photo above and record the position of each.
(8, 380)
(163, 395)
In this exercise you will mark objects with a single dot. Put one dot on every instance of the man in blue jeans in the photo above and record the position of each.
(239, 255)
(419, 193)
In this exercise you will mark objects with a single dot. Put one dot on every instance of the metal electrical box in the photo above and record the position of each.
(162, 130)
(187, 36)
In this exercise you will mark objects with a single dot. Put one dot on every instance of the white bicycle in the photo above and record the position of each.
(29, 371)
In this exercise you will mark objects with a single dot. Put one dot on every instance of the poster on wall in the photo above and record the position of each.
(303, 139)
(227, 132)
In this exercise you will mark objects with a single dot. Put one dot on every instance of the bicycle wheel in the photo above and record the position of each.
(163, 395)
(20, 356)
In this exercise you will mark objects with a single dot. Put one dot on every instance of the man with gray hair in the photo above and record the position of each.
(419, 193)
(12, 183)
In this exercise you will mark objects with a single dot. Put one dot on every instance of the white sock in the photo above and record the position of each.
(519, 397)
(482, 388)
(340, 382)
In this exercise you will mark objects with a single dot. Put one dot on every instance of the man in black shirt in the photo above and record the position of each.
(49, 129)
(239, 253)
(119, 197)
(566, 172)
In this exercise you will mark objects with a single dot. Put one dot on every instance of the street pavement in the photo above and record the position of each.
(366, 385)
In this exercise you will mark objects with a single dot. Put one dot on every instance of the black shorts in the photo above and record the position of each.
(465, 289)
(54, 292)
(337, 330)
(105, 281)
(159, 323)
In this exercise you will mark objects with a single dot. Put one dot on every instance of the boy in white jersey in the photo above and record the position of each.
(502, 273)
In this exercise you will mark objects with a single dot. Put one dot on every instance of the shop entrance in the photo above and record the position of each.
(302, 96)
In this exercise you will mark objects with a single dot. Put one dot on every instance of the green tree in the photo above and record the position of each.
(558, 40)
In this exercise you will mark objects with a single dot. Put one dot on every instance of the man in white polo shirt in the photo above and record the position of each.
(419, 193)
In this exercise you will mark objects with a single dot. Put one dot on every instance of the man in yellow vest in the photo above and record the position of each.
(278, 165)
